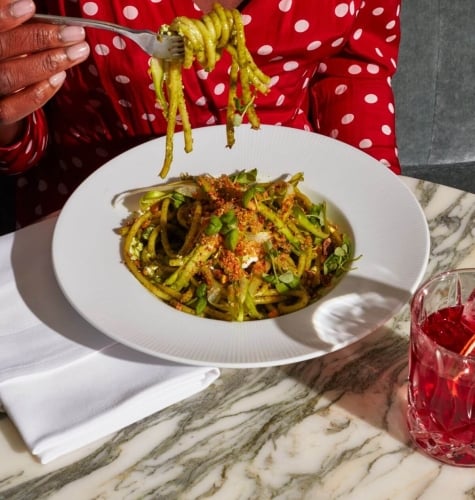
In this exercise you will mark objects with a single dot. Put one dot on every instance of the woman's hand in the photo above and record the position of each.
(33, 60)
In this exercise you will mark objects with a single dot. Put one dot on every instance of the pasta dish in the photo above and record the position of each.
(205, 40)
(234, 248)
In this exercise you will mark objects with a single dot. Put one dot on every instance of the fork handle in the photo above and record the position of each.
(87, 23)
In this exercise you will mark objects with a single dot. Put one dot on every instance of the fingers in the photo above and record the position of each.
(34, 37)
(33, 61)
(20, 72)
(28, 82)
(17, 106)
(12, 14)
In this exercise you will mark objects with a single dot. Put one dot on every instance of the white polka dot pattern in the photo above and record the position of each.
(90, 8)
(301, 26)
(130, 12)
(348, 118)
(341, 53)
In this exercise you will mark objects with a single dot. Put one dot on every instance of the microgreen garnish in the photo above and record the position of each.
(229, 219)
(225, 225)
(286, 250)
(241, 110)
(282, 282)
(250, 193)
(231, 239)
(339, 260)
(312, 225)
(177, 199)
(214, 226)
(318, 214)
(245, 176)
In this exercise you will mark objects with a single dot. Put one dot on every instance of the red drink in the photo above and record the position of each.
(441, 413)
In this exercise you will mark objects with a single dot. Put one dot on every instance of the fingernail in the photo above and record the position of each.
(72, 34)
(79, 51)
(22, 8)
(57, 79)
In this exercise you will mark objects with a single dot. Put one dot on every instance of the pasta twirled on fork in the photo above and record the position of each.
(205, 39)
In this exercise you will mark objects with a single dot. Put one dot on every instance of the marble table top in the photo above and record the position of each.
(328, 428)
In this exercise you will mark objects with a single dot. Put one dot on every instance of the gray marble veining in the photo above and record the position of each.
(328, 428)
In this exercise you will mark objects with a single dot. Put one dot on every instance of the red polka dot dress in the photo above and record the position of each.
(330, 64)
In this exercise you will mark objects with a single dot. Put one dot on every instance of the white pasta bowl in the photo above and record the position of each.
(383, 217)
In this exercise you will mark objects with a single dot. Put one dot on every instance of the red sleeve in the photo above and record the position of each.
(29, 149)
(352, 98)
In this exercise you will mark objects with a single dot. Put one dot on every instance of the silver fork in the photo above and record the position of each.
(168, 47)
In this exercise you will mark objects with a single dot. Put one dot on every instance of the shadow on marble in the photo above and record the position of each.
(357, 306)
(367, 379)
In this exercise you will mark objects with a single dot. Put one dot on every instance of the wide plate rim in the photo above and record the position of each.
(327, 317)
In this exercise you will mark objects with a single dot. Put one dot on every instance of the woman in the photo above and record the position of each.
(73, 100)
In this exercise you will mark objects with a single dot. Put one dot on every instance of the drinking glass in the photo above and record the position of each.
(441, 389)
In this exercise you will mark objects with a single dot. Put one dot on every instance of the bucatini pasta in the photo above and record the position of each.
(205, 40)
(233, 248)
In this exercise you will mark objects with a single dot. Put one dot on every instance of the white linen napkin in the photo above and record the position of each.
(62, 382)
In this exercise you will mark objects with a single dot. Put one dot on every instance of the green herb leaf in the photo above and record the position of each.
(289, 279)
(237, 119)
(318, 214)
(201, 290)
(250, 193)
(269, 278)
(240, 107)
(339, 260)
(231, 239)
(306, 223)
(281, 287)
(229, 218)
(214, 227)
(201, 304)
(177, 199)
(245, 176)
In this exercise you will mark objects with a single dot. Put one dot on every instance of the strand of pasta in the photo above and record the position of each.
(205, 39)
(168, 249)
(257, 293)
